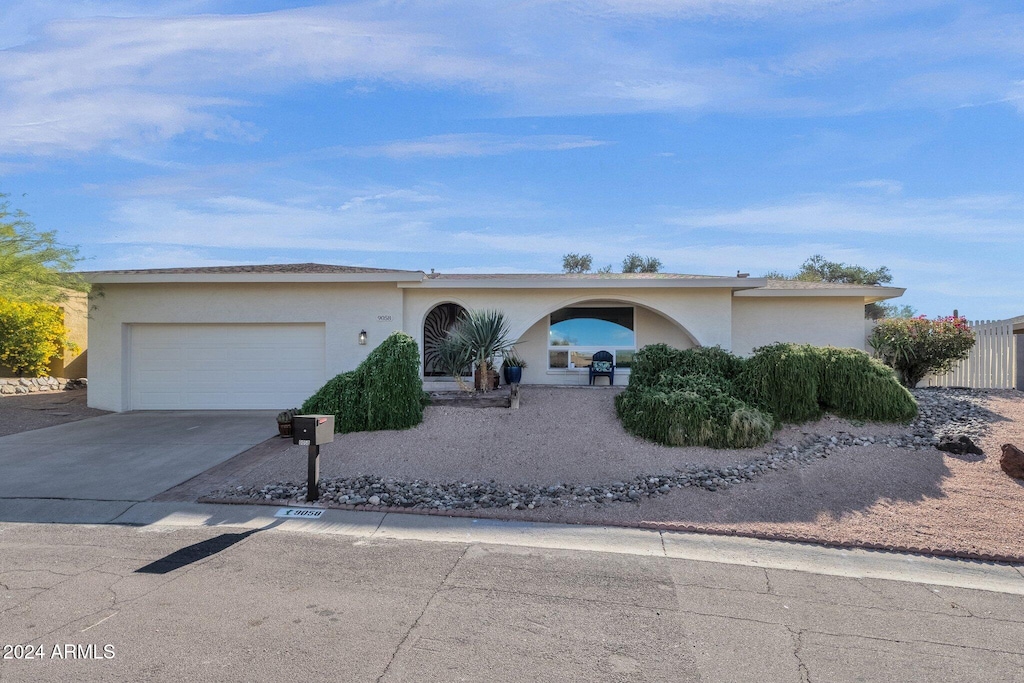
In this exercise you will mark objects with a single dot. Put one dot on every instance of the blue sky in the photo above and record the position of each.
(717, 135)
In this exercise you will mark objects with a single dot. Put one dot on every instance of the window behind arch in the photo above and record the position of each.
(576, 333)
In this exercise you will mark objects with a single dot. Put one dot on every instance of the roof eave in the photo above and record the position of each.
(109, 278)
(870, 294)
(731, 283)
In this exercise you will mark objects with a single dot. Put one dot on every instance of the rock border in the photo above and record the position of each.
(11, 386)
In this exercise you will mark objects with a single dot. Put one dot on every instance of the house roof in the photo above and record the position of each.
(580, 281)
(569, 276)
(321, 272)
(271, 272)
(787, 288)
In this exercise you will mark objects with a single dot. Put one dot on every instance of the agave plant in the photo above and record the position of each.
(483, 334)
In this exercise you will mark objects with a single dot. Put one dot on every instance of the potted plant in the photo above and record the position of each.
(512, 368)
(284, 421)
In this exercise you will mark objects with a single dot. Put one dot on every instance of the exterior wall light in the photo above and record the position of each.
(362, 337)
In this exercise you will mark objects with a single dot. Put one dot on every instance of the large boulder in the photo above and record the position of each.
(1012, 461)
(958, 445)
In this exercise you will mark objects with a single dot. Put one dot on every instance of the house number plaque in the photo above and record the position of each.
(383, 318)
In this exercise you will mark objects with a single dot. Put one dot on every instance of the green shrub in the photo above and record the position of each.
(384, 392)
(782, 379)
(709, 397)
(858, 387)
(651, 361)
(686, 398)
(692, 410)
(796, 383)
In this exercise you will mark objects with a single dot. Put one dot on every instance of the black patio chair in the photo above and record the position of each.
(603, 363)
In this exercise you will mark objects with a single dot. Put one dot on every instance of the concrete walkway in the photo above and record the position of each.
(124, 456)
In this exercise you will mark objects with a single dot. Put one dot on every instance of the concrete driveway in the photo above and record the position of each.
(125, 456)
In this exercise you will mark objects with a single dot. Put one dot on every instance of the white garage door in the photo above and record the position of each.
(177, 367)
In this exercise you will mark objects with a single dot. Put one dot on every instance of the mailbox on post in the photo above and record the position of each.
(312, 431)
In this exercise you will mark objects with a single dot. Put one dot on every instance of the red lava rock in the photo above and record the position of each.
(1012, 461)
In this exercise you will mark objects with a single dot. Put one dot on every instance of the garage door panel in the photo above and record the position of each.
(175, 367)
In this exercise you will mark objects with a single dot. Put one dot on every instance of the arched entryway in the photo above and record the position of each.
(438, 322)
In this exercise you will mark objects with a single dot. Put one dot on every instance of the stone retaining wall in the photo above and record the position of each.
(30, 385)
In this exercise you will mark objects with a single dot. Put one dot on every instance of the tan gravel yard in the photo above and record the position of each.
(868, 493)
(25, 412)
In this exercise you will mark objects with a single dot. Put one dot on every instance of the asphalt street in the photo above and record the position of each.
(264, 601)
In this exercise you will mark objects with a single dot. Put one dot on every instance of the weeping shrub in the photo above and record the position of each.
(692, 410)
(708, 397)
(686, 398)
(651, 361)
(797, 382)
(782, 379)
(856, 386)
(384, 392)
(342, 397)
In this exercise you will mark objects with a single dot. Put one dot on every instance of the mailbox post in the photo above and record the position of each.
(312, 431)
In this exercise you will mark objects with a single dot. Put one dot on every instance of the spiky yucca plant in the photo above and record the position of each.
(484, 334)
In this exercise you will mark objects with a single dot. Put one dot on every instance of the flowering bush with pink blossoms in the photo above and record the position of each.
(915, 347)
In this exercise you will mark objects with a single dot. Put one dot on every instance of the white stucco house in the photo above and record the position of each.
(268, 336)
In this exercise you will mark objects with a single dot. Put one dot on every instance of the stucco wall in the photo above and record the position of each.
(651, 328)
(76, 320)
(822, 321)
(343, 308)
(706, 314)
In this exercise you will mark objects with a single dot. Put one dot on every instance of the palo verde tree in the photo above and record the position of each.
(635, 263)
(34, 267)
(577, 263)
(35, 275)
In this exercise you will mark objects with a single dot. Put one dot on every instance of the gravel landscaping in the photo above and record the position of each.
(27, 411)
(564, 457)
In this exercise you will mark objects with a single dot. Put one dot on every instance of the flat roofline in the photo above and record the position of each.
(733, 283)
(110, 278)
(870, 293)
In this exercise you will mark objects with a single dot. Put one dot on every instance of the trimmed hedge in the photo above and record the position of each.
(709, 397)
(384, 392)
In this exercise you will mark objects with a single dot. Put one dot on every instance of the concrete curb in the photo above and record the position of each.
(652, 541)
(952, 553)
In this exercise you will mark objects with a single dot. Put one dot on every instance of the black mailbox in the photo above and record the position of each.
(312, 430)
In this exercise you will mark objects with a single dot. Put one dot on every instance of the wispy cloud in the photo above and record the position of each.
(969, 218)
(391, 220)
(82, 83)
(883, 184)
(471, 145)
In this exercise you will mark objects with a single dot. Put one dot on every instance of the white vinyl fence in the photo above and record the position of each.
(992, 363)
